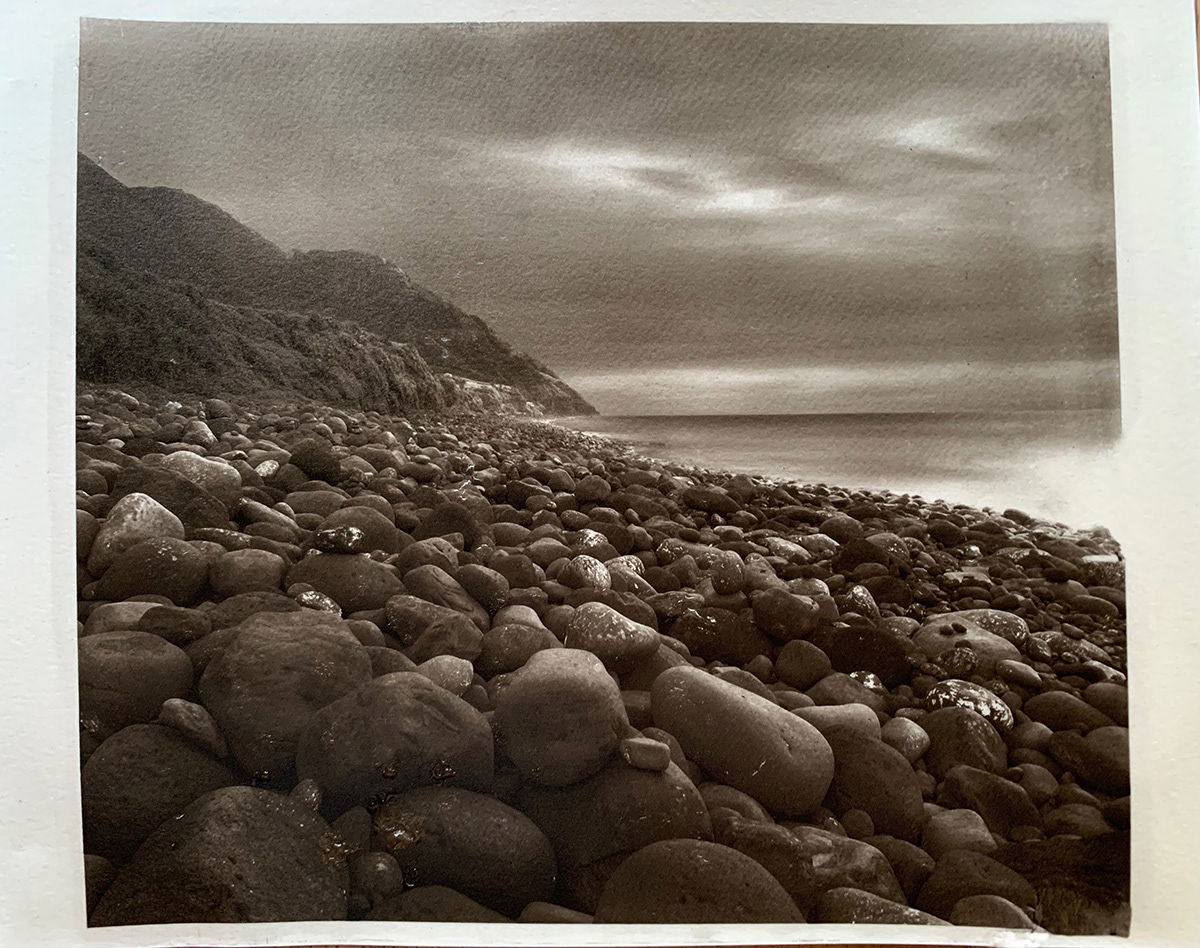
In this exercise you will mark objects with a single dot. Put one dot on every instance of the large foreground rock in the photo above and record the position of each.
(873, 777)
(694, 882)
(235, 855)
(560, 716)
(399, 732)
(744, 740)
(596, 823)
(471, 843)
(279, 669)
(137, 779)
(124, 677)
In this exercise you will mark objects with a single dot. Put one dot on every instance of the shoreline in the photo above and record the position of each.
(531, 624)
(662, 450)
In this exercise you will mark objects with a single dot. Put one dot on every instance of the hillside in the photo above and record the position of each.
(147, 248)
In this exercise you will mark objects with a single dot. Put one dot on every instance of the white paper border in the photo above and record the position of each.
(1157, 172)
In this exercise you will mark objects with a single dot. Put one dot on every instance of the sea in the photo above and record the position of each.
(1057, 465)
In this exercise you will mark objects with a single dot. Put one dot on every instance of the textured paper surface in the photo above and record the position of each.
(1155, 165)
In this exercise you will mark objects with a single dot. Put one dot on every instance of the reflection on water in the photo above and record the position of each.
(1052, 464)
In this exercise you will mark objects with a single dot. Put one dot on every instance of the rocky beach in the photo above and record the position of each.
(345, 664)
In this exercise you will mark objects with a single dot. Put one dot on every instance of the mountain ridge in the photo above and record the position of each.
(177, 242)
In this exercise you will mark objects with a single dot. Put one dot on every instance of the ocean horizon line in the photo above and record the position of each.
(966, 413)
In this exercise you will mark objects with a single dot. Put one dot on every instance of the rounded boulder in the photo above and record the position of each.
(237, 854)
(277, 670)
(163, 566)
(692, 881)
(398, 732)
(137, 779)
(124, 677)
(744, 740)
(560, 716)
(471, 843)
(619, 642)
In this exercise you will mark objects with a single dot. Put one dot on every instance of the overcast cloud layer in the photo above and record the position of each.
(677, 218)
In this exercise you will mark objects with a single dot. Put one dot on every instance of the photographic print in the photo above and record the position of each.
(599, 473)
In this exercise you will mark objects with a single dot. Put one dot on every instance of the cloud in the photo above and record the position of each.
(614, 196)
(871, 387)
(948, 141)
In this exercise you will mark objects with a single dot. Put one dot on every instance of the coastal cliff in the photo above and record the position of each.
(175, 292)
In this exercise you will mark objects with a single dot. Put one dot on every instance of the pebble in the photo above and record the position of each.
(962, 873)
(972, 697)
(341, 539)
(875, 778)
(1061, 711)
(854, 906)
(715, 634)
(449, 672)
(1110, 699)
(374, 878)
(195, 723)
(991, 911)
(784, 616)
(1002, 803)
(117, 617)
(355, 582)
(164, 566)
(857, 717)
(546, 913)
(505, 648)
(619, 642)
(241, 571)
(220, 479)
(641, 807)
(956, 829)
(945, 632)
(801, 664)
(960, 736)
(837, 861)
(907, 737)
(1100, 759)
(433, 903)
(645, 754)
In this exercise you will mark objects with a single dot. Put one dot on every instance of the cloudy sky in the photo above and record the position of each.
(677, 218)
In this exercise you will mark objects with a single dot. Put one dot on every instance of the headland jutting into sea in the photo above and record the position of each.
(342, 664)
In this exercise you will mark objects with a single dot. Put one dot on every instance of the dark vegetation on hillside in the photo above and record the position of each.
(175, 291)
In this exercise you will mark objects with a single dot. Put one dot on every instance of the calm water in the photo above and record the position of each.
(1052, 464)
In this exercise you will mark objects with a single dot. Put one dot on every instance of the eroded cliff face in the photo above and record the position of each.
(138, 328)
(173, 290)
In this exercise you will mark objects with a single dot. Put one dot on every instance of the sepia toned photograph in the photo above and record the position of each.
(645, 473)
